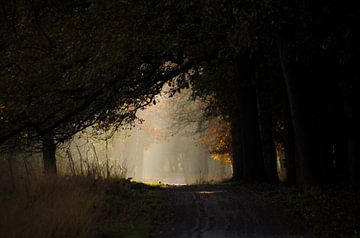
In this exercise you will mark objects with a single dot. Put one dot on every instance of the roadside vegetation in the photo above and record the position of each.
(74, 206)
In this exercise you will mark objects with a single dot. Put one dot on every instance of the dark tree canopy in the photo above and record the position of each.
(66, 66)
(281, 72)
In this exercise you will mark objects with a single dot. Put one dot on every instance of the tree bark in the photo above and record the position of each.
(330, 131)
(298, 85)
(266, 134)
(352, 114)
(354, 160)
(236, 150)
(252, 165)
(49, 158)
(289, 149)
(10, 158)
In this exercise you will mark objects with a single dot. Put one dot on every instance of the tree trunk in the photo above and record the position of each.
(266, 134)
(10, 160)
(289, 148)
(330, 133)
(49, 158)
(354, 160)
(247, 117)
(248, 162)
(298, 87)
(236, 150)
(253, 163)
(352, 113)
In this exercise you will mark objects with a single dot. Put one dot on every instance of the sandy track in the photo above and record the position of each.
(223, 211)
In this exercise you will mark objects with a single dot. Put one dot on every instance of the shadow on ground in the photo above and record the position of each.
(223, 210)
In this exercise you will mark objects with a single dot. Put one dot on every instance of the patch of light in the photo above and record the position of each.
(209, 192)
(165, 181)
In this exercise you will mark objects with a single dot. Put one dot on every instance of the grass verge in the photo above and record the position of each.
(75, 207)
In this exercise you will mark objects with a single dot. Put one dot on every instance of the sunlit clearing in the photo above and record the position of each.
(209, 192)
(172, 143)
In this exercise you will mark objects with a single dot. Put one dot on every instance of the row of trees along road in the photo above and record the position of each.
(278, 71)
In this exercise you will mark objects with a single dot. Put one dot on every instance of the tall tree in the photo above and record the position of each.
(64, 68)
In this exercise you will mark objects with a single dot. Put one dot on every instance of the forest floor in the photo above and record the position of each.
(256, 210)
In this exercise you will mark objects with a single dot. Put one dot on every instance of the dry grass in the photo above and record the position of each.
(49, 207)
(77, 206)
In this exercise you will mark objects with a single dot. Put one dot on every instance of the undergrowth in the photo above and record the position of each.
(77, 206)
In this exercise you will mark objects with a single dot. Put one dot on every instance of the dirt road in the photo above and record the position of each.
(223, 211)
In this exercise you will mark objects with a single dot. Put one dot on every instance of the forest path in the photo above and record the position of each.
(223, 210)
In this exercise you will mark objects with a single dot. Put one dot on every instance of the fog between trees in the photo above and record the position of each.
(165, 145)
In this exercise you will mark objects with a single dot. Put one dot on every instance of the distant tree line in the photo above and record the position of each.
(279, 71)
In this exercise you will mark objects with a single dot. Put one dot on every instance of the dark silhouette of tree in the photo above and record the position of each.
(66, 66)
(64, 69)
